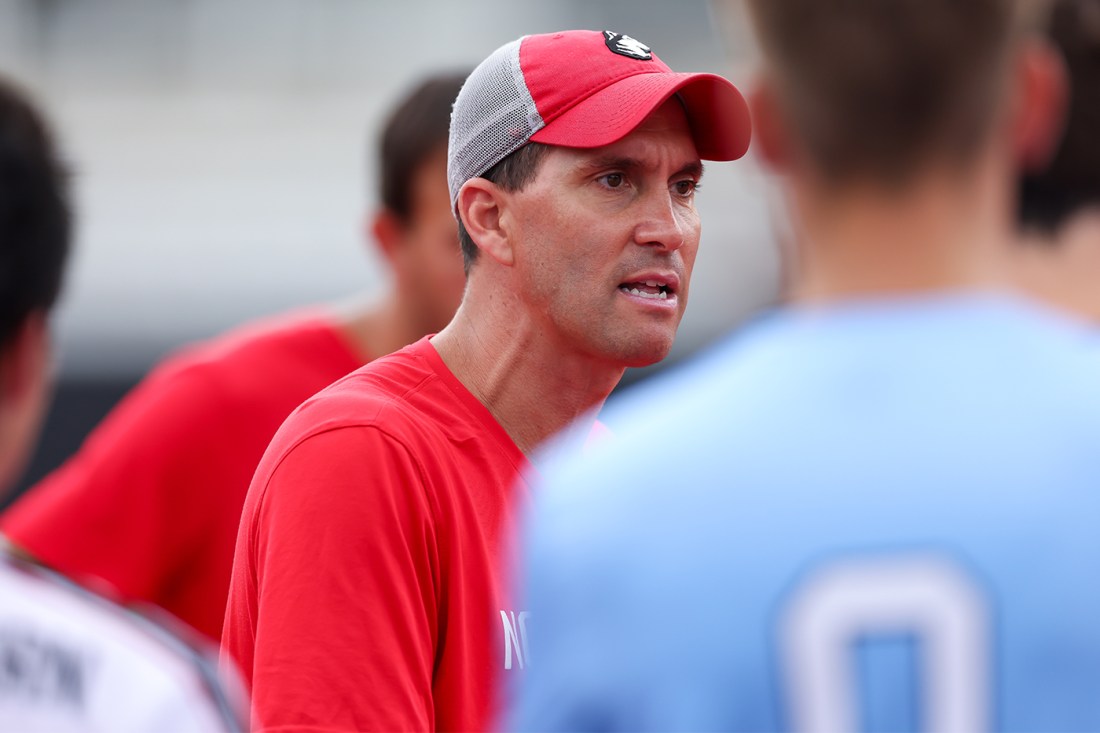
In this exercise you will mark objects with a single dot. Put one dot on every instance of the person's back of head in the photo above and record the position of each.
(901, 126)
(35, 231)
(415, 131)
(871, 92)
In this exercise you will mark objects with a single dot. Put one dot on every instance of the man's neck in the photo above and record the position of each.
(531, 384)
(1064, 270)
(938, 234)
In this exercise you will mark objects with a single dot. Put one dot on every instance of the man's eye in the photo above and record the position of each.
(613, 180)
(687, 187)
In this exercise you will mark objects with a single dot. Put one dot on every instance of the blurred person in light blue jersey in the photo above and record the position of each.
(70, 660)
(1059, 260)
(876, 508)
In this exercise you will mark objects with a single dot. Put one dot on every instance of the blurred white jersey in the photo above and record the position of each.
(72, 661)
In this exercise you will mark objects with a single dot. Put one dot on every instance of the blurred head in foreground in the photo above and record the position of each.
(900, 126)
(1059, 261)
(35, 227)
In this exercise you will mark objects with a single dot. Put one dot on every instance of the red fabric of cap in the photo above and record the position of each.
(589, 96)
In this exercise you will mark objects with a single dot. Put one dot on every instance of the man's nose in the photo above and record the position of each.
(662, 222)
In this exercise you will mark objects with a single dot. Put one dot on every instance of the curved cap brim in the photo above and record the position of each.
(717, 114)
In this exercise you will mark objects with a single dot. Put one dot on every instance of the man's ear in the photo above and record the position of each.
(1039, 104)
(769, 130)
(25, 361)
(385, 229)
(480, 204)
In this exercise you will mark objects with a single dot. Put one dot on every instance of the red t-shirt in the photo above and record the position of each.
(152, 501)
(367, 590)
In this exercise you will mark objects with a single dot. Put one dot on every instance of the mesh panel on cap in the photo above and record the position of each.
(493, 116)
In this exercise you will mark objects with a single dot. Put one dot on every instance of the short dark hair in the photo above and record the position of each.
(873, 90)
(416, 129)
(511, 174)
(1071, 181)
(35, 215)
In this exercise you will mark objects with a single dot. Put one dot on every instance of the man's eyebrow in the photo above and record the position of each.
(694, 169)
(625, 163)
(619, 162)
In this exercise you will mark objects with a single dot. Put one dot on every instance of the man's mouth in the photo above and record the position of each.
(652, 289)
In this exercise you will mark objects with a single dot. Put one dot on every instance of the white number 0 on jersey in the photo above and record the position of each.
(926, 596)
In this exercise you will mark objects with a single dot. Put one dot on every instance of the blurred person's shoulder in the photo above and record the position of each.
(898, 367)
(77, 661)
(409, 395)
(248, 360)
(988, 342)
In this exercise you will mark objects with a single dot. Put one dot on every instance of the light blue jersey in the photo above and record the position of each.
(876, 516)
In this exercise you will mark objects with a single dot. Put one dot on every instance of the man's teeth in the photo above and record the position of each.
(662, 295)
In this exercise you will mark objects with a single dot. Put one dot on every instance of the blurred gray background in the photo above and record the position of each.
(223, 162)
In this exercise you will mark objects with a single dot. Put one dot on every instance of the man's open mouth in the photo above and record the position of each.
(654, 289)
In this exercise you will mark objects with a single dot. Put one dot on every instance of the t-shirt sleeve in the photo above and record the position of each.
(346, 579)
(127, 507)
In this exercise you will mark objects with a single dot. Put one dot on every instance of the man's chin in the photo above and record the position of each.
(646, 352)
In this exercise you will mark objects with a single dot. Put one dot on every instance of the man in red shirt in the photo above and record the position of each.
(367, 590)
(151, 503)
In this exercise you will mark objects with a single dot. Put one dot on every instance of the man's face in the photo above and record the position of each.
(607, 238)
(429, 259)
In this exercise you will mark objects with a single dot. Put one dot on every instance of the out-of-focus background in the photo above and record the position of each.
(223, 160)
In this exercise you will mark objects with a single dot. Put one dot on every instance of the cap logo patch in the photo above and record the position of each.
(624, 45)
